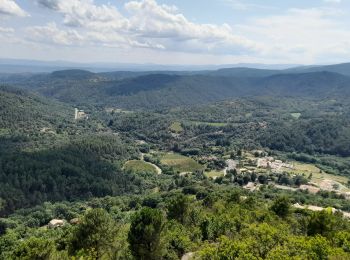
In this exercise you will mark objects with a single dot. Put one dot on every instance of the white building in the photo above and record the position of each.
(80, 114)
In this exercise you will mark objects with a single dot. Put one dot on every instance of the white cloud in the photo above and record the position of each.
(84, 13)
(300, 35)
(10, 8)
(332, 1)
(292, 36)
(243, 6)
(6, 30)
(147, 25)
(50, 33)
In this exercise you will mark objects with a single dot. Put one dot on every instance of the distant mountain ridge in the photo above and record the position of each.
(37, 66)
(343, 68)
(159, 89)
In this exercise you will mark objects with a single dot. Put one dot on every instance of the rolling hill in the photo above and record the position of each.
(161, 90)
(154, 90)
(343, 68)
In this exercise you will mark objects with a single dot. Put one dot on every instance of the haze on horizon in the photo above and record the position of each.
(196, 32)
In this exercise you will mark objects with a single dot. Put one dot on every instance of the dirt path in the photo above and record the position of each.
(317, 208)
(159, 170)
(187, 256)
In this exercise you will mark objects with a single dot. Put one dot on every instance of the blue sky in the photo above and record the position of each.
(177, 32)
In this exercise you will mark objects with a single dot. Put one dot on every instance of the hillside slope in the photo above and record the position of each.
(22, 110)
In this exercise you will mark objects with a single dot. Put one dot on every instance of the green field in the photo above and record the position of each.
(137, 166)
(217, 124)
(176, 127)
(181, 163)
(295, 115)
(214, 174)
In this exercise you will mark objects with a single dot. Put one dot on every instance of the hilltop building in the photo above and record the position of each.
(80, 114)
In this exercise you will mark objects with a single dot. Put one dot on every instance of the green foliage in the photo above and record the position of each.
(322, 223)
(34, 249)
(177, 240)
(145, 232)
(47, 157)
(30, 178)
(281, 206)
(327, 135)
(178, 208)
(95, 233)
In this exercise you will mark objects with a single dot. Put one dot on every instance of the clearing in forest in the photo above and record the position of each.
(296, 115)
(176, 127)
(181, 163)
(217, 124)
(214, 174)
(137, 166)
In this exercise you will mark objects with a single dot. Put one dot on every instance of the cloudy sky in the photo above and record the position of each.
(177, 32)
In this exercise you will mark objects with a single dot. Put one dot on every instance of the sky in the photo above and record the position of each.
(187, 32)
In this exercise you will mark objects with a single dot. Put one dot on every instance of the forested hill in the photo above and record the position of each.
(314, 84)
(164, 89)
(155, 91)
(47, 156)
(22, 110)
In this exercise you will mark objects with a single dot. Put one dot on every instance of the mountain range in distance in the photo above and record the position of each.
(170, 88)
(36, 66)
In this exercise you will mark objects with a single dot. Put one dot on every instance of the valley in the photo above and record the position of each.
(216, 159)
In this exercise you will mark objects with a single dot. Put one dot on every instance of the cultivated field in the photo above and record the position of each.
(214, 174)
(181, 163)
(137, 166)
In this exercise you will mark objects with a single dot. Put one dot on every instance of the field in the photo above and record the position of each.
(181, 163)
(318, 177)
(214, 174)
(176, 127)
(295, 115)
(137, 166)
(217, 124)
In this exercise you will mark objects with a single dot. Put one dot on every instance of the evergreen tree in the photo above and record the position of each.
(145, 232)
